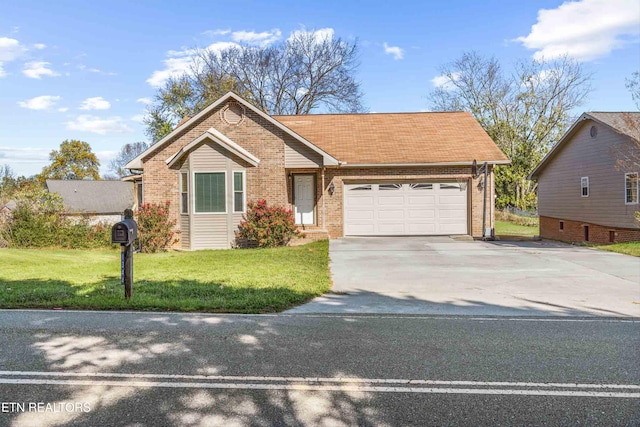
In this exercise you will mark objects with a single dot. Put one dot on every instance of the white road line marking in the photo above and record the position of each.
(319, 380)
(311, 387)
(550, 318)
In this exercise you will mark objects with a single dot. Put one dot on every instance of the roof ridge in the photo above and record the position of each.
(369, 114)
(616, 112)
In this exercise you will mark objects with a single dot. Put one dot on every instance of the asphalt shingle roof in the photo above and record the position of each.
(99, 197)
(394, 138)
(627, 123)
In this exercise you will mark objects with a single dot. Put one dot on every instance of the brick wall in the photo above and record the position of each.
(269, 180)
(334, 203)
(573, 231)
(261, 138)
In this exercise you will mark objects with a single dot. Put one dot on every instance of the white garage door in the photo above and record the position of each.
(388, 209)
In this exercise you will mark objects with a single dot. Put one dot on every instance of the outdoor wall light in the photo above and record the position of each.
(332, 188)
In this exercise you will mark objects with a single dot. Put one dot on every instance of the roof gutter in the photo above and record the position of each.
(388, 165)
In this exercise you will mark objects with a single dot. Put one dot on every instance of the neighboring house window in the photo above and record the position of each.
(238, 192)
(184, 192)
(561, 225)
(140, 199)
(584, 186)
(210, 194)
(631, 185)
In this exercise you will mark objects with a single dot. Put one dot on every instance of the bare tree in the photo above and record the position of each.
(627, 153)
(8, 183)
(525, 112)
(307, 72)
(126, 154)
(633, 85)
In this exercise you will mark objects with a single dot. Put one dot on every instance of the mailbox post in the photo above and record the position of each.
(125, 232)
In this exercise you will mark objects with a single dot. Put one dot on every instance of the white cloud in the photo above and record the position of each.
(13, 155)
(39, 46)
(216, 32)
(63, 109)
(37, 69)
(179, 62)
(174, 67)
(43, 102)
(396, 51)
(95, 103)
(10, 50)
(320, 35)
(584, 30)
(138, 118)
(106, 156)
(445, 82)
(145, 101)
(93, 124)
(264, 38)
(83, 67)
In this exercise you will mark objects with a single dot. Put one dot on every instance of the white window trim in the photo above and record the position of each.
(581, 186)
(140, 193)
(182, 173)
(193, 201)
(244, 191)
(637, 188)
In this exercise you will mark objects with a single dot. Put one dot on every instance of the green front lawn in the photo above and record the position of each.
(632, 248)
(237, 281)
(506, 228)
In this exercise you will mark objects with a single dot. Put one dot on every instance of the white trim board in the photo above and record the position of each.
(219, 139)
(137, 162)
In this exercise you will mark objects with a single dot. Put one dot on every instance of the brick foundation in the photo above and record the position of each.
(573, 231)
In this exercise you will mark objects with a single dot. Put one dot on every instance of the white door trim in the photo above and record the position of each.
(304, 209)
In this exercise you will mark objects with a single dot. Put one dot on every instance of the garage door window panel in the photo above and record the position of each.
(361, 188)
(420, 186)
(385, 187)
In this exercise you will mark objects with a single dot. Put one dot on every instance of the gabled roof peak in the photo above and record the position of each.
(137, 162)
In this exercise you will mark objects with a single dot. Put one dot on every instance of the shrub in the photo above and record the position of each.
(38, 221)
(517, 219)
(82, 234)
(267, 226)
(155, 227)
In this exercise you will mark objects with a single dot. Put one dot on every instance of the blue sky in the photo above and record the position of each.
(84, 69)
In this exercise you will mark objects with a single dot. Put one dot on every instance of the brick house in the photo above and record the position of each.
(584, 194)
(341, 174)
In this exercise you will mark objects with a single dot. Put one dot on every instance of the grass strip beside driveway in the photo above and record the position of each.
(230, 281)
(631, 248)
(506, 228)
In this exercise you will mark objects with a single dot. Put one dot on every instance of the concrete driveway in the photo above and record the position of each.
(440, 275)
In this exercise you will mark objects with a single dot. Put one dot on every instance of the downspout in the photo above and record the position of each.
(492, 206)
(324, 227)
(484, 204)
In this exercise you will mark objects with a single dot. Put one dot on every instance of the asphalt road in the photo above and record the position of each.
(156, 369)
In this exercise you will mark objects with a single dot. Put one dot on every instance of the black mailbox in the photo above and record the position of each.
(124, 232)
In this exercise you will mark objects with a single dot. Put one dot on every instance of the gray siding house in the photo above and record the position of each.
(585, 192)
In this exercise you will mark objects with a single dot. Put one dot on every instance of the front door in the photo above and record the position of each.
(303, 199)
